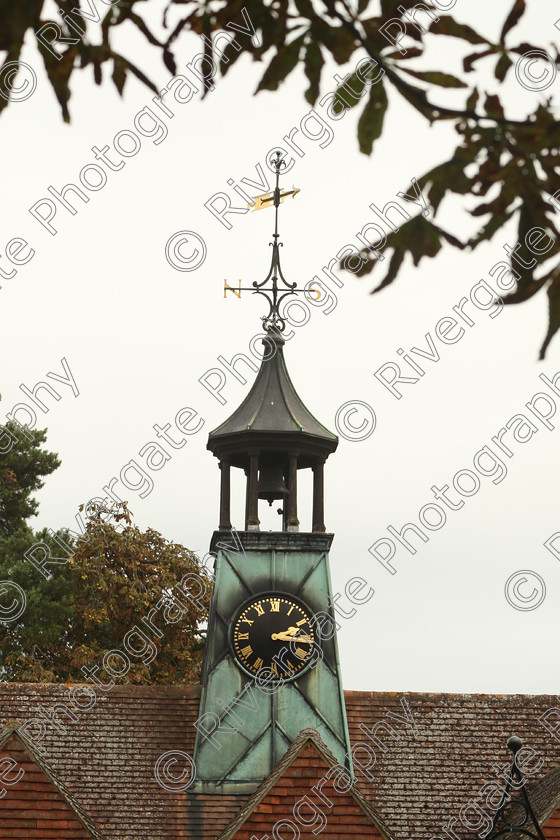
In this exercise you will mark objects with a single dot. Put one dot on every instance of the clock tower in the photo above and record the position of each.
(271, 664)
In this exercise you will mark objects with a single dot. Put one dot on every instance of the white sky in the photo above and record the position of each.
(138, 335)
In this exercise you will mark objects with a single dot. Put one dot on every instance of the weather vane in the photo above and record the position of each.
(273, 292)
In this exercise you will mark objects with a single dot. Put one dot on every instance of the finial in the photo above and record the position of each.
(514, 744)
(274, 293)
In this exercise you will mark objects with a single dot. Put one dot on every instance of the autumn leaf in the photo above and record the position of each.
(493, 106)
(370, 123)
(281, 65)
(503, 65)
(469, 60)
(418, 237)
(119, 75)
(553, 293)
(337, 39)
(512, 19)
(348, 94)
(435, 77)
(313, 65)
(447, 25)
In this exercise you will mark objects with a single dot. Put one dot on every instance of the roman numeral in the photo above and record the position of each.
(300, 652)
(303, 621)
(246, 651)
(291, 608)
(275, 605)
(259, 609)
(242, 635)
(247, 621)
(258, 663)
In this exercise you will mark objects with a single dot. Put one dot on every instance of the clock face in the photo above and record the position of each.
(274, 631)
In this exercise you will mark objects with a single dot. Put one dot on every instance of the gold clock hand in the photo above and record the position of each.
(289, 634)
(305, 638)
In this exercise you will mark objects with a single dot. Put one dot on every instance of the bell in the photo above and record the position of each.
(271, 482)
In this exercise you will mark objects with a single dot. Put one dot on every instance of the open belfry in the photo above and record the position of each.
(270, 745)
(271, 620)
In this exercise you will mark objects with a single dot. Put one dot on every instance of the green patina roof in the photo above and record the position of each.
(273, 404)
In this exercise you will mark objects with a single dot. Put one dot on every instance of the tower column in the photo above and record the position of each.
(292, 521)
(225, 497)
(318, 496)
(252, 517)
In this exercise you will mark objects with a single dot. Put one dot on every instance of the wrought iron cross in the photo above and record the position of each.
(273, 292)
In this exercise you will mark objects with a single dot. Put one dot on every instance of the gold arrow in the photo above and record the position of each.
(267, 199)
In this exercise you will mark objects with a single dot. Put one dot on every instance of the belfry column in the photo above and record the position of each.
(253, 521)
(225, 496)
(292, 521)
(318, 497)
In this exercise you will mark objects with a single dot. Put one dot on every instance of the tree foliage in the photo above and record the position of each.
(23, 465)
(114, 576)
(504, 168)
(93, 588)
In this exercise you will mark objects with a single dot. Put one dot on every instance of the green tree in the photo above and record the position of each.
(100, 586)
(24, 462)
(23, 465)
(504, 168)
(113, 576)
(49, 605)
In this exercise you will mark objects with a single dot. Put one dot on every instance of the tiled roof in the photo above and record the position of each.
(419, 782)
(107, 758)
(39, 805)
(305, 765)
(422, 782)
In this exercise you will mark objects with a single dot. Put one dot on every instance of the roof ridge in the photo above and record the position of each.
(12, 731)
(305, 737)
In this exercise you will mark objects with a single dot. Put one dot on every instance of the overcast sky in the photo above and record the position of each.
(137, 335)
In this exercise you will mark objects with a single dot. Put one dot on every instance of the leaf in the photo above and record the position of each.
(305, 8)
(447, 25)
(348, 94)
(525, 48)
(493, 107)
(281, 65)
(228, 58)
(370, 124)
(169, 61)
(412, 52)
(513, 17)
(390, 7)
(503, 65)
(553, 293)
(527, 286)
(417, 237)
(394, 266)
(137, 20)
(446, 177)
(489, 229)
(59, 72)
(336, 39)
(472, 100)
(416, 97)
(313, 65)
(435, 77)
(469, 60)
(119, 75)
(136, 72)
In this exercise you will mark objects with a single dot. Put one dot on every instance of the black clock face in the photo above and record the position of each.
(274, 631)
